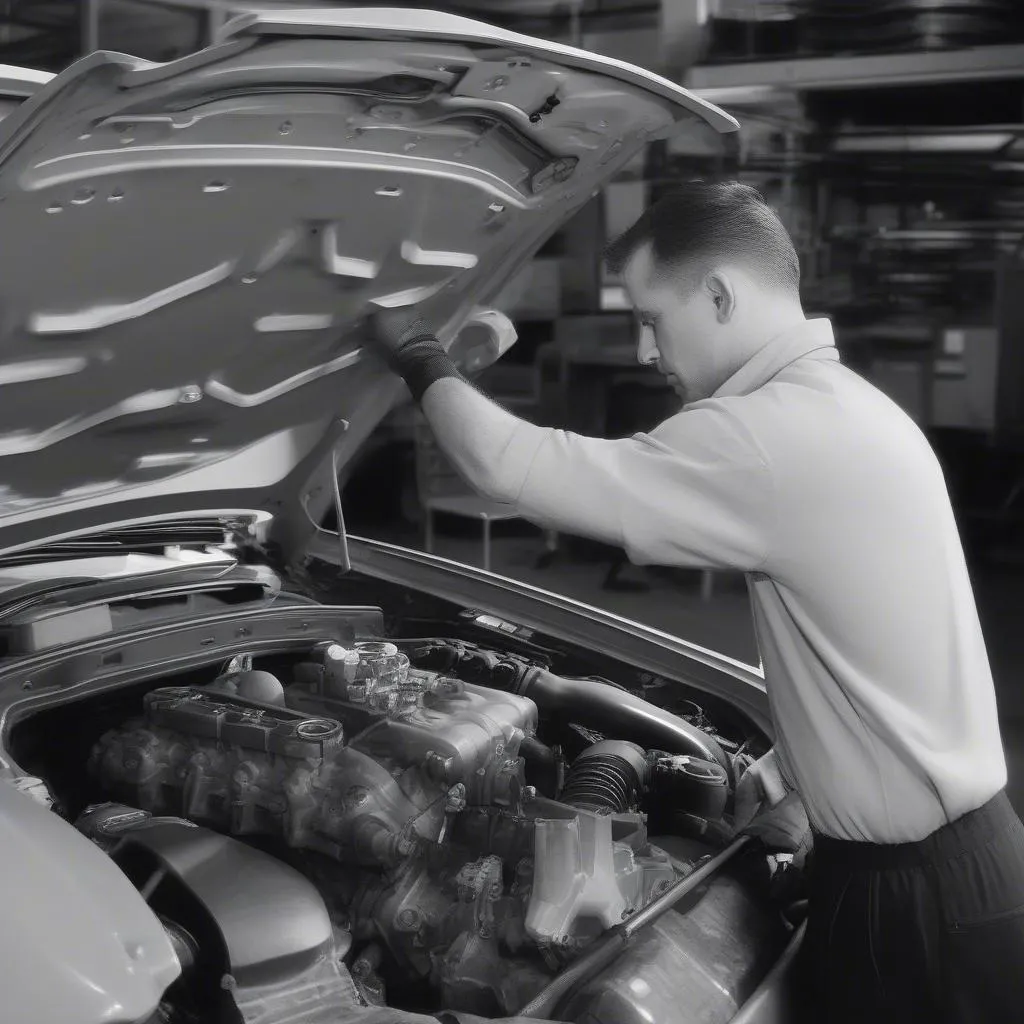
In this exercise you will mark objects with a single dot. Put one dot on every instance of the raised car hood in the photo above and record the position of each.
(191, 249)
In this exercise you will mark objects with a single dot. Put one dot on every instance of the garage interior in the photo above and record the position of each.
(888, 135)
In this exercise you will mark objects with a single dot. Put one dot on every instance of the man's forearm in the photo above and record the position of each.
(489, 446)
(481, 438)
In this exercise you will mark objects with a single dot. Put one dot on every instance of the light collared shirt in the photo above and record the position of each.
(819, 488)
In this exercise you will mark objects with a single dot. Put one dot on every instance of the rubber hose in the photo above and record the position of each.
(618, 713)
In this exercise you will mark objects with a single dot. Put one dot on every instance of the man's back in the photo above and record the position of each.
(869, 635)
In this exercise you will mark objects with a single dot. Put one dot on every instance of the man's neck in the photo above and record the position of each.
(768, 324)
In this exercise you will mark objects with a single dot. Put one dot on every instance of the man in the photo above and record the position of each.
(788, 467)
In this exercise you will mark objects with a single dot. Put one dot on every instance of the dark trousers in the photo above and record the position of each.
(931, 931)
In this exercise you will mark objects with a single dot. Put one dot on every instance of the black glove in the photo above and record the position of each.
(411, 349)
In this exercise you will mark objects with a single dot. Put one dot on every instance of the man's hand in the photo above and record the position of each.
(783, 828)
(412, 351)
(393, 329)
(759, 785)
(767, 812)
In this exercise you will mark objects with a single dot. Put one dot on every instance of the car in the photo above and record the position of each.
(260, 771)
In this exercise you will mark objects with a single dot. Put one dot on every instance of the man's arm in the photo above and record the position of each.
(694, 493)
(485, 442)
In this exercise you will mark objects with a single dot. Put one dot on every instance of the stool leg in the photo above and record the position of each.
(429, 545)
(707, 583)
(487, 545)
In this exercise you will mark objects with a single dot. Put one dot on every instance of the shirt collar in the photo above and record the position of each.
(812, 336)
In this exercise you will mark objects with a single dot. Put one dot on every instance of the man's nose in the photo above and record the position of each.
(646, 350)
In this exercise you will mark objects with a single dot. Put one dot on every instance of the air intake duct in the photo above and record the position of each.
(610, 775)
(612, 711)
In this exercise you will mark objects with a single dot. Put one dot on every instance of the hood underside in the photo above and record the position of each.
(192, 248)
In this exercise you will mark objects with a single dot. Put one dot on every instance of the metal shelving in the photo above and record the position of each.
(937, 67)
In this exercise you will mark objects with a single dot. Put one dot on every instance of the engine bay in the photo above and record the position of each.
(423, 824)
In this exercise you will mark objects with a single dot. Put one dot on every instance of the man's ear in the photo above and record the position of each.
(720, 288)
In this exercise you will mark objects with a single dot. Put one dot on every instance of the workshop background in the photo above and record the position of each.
(888, 135)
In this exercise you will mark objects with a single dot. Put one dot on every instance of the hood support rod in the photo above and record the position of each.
(346, 562)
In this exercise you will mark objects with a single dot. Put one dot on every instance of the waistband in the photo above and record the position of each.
(968, 832)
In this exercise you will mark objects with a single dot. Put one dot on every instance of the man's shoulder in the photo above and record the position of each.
(724, 425)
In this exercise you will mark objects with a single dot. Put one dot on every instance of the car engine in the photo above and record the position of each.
(373, 828)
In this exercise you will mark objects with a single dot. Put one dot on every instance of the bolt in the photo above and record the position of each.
(190, 394)
(286, 127)
(116, 196)
(408, 919)
(529, 794)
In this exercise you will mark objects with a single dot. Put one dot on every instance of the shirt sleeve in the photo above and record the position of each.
(695, 492)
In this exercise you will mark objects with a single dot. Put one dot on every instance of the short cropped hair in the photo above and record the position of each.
(700, 224)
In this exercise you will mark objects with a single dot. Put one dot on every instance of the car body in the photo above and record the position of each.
(257, 770)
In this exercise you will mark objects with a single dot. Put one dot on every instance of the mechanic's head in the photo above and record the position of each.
(713, 276)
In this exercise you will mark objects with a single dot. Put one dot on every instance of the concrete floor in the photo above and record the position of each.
(673, 603)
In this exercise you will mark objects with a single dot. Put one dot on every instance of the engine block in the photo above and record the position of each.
(415, 782)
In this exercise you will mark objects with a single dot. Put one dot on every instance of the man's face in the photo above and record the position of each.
(679, 328)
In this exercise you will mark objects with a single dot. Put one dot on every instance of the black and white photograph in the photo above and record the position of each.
(511, 512)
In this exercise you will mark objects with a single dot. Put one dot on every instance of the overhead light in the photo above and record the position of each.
(965, 142)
